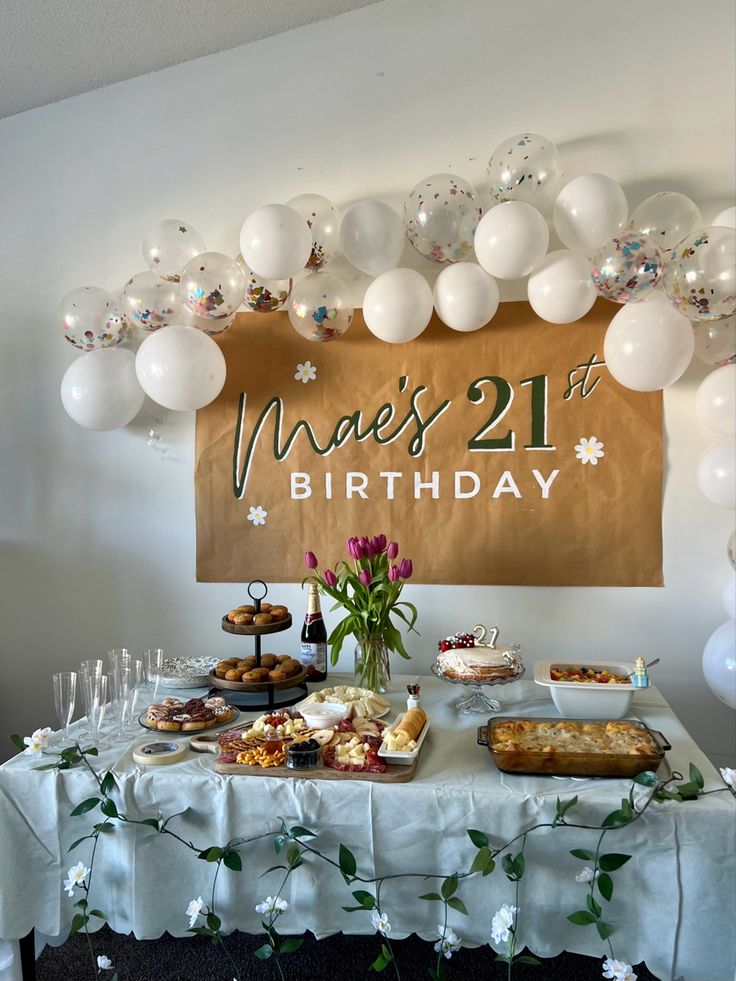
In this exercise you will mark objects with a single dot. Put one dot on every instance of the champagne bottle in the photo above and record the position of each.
(314, 639)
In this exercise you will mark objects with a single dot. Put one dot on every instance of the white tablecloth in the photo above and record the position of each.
(674, 903)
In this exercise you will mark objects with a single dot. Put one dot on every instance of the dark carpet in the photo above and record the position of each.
(338, 958)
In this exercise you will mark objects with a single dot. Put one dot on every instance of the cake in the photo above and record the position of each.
(461, 657)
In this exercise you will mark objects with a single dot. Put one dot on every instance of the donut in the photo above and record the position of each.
(168, 726)
(262, 618)
(232, 675)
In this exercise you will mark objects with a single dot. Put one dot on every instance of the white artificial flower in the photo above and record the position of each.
(37, 742)
(502, 923)
(75, 877)
(194, 910)
(104, 963)
(618, 970)
(587, 875)
(306, 372)
(257, 515)
(729, 777)
(380, 922)
(272, 906)
(589, 450)
(449, 942)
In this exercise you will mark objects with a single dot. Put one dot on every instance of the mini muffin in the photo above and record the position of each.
(231, 661)
(283, 657)
(268, 661)
(277, 675)
(221, 669)
(242, 619)
(249, 662)
(252, 676)
(278, 612)
(248, 608)
(290, 667)
(233, 675)
(265, 608)
(262, 671)
(244, 665)
(262, 618)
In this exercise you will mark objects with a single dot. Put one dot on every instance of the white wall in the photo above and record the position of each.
(97, 533)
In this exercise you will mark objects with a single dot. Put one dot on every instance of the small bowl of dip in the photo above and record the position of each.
(323, 715)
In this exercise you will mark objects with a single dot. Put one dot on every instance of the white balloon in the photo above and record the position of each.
(180, 368)
(588, 211)
(100, 390)
(717, 473)
(275, 241)
(715, 400)
(726, 217)
(560, 287)
(715, 341)
(510, 239)
(666, 218)
(398, 305)
(719, 663)
(648, 345)
(729, 596)
(465, 296)
(372, 237)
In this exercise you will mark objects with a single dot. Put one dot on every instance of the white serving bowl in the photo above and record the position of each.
(323, 715)
(587, 700)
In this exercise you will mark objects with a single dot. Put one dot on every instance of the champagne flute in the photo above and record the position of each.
(97, 685)
(152, 660)
(117, 658)
(137, 679)
(65, 688)
(123, 683)
(87, 671)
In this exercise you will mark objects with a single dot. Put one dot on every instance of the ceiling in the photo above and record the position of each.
(53, 49)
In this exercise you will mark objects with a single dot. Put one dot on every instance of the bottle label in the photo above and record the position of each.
(314, 657)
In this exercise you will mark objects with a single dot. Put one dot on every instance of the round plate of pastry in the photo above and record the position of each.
(268, 618)
(194, 715)
(245, 674)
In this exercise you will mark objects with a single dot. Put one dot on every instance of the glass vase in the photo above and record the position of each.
(372, 667)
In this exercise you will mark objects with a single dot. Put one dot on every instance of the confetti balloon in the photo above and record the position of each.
(627, 268)
(588, 211)
(212, 285)
(560, 288)
(168, 247)
(180, 368)
(323, 221)
(717, 473)
(441, 215)
(465, 296)
(511, 237)
(715, 341)
(719, 663)
(715, 400)
(667, 218)
(701, 277)
(398, 305)
(648, 345)
(525, 168)
(209, 327)
(320, 307)
(100, 390)
(372, 237)
(150, 302)
(275, 241)
(263, 295)
(727, 217)
(92, 318)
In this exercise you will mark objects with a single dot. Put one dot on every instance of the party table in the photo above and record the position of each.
(674, 904)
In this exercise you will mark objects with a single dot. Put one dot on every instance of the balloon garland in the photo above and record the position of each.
(673, 278)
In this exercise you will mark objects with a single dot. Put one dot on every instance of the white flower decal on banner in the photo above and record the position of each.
(589, 450)
(306, 372)
(257, 515)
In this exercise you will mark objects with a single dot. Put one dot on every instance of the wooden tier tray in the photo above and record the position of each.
(394, 773)
(292, 682)
(255, 629)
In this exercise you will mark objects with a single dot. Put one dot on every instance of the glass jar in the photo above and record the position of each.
(372, 666)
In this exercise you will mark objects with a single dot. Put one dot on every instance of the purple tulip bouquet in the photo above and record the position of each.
(368, 588)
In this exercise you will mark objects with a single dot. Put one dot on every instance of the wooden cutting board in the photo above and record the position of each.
(394, 773)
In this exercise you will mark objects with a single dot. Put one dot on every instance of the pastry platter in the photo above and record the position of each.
(256, 630)
(174, 717)
(255, 686)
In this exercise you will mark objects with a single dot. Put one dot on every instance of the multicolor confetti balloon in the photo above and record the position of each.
(323, 220)
(150, 302)
(263, 295)
(627, 268)
(701, 278)
(715, 341)
(526, 168)
(212, 285)
(666, 218)
(320, 307)
(92, 318)
(169, 245)
(441, 215)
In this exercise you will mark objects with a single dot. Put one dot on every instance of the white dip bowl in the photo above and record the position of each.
(323, 715)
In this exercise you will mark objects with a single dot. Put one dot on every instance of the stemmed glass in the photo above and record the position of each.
(122, 683)
(117, 658)
(96, 686)
(152, 661)
(87, 671)
(136, 686)
(65, 688)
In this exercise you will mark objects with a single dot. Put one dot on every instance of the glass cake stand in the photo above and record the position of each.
(476, 702)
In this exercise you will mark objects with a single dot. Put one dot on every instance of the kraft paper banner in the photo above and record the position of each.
(506, 456)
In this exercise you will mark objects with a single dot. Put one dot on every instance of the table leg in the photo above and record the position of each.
(27, 947)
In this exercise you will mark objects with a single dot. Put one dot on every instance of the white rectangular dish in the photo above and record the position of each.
(587, 699)
(396, 756)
